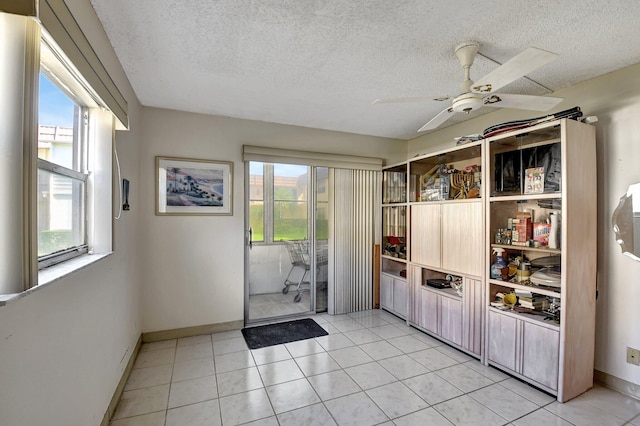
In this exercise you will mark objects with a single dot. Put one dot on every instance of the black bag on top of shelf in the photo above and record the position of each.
(572, 113)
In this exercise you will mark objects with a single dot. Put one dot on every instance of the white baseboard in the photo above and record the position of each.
(155, 336)
(111, 409)
(615, 383)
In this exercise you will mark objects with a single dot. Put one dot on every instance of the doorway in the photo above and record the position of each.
(286, 252)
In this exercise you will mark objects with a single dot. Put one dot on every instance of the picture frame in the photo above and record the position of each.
(189, 186)
(534, 180)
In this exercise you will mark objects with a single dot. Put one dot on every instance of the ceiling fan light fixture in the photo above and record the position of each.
(467, 102)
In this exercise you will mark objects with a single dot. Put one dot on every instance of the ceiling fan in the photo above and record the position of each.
(482, 93)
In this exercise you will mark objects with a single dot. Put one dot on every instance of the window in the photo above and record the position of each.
(278, 201)
(256, 200)
(57, 152)
(62, 182)
(74, 163)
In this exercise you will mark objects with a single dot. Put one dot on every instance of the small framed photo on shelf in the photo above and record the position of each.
(534, 180)
(187, 186)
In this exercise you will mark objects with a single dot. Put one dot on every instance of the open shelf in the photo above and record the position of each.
(451, 174)
(546, 291)
(543, 250)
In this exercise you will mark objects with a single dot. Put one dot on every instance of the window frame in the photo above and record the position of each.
(69, 252)
(268, 201)
(61, 73)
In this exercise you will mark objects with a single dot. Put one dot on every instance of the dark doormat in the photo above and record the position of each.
(283, 332)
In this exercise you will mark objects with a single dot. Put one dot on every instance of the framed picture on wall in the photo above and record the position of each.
(187, 186)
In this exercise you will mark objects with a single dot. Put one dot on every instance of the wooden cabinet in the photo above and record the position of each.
(502, 348)
(430, 317)
(400, 295)
(473, 315)
(448, 236)
(451, 319)
(451, 206)
(457, 319)
(446, 210)
(426, 233)
(394, 294)
(393, 284)
(535, 176)
(446, 230)
(414, 283)
(386, 291)
(540, 353)
(462, 238)
(525, 348)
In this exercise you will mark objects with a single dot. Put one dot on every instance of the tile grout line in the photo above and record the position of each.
(328, 325)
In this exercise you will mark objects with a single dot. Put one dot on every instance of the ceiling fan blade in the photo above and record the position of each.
(516, 67)
(533, 103)
(413, 99)
(438, 119)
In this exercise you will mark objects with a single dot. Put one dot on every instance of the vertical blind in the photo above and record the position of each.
(355, 222)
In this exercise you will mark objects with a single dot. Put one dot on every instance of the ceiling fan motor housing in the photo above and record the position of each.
(467, 102)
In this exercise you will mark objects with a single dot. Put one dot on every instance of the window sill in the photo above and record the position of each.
(54, 273)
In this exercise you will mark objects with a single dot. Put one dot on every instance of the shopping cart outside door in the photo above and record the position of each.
(299, 254)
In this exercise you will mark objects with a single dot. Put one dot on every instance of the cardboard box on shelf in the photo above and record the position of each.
(541, 233)
(522, 230)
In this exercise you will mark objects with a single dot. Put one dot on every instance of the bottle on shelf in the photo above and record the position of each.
(553, 231)
(498, 265)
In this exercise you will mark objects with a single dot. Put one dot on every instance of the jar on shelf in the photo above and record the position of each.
(506, 236)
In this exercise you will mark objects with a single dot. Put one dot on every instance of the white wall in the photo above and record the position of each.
(64, 347)
(193, 267)
(615, 99)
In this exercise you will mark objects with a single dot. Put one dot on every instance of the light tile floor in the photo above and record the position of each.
(371, 369)
(270, 305)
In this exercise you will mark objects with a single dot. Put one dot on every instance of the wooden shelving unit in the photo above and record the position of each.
(434, 227)
(556, 356)
(393, 282)
(447, 239)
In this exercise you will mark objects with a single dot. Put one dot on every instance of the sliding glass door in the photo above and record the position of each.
(282, 251)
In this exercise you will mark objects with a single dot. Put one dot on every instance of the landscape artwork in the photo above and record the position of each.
(189, 186)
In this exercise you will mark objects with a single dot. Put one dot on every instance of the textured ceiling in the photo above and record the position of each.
(321, 63)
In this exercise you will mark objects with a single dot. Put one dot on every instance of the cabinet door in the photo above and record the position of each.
(386, 291)
(540, 351)
(400, 297)
(430, 313)
(503, 339)
(451, 319)
(462, 245)
(425, 234)
(415, 286)
(472, 316)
